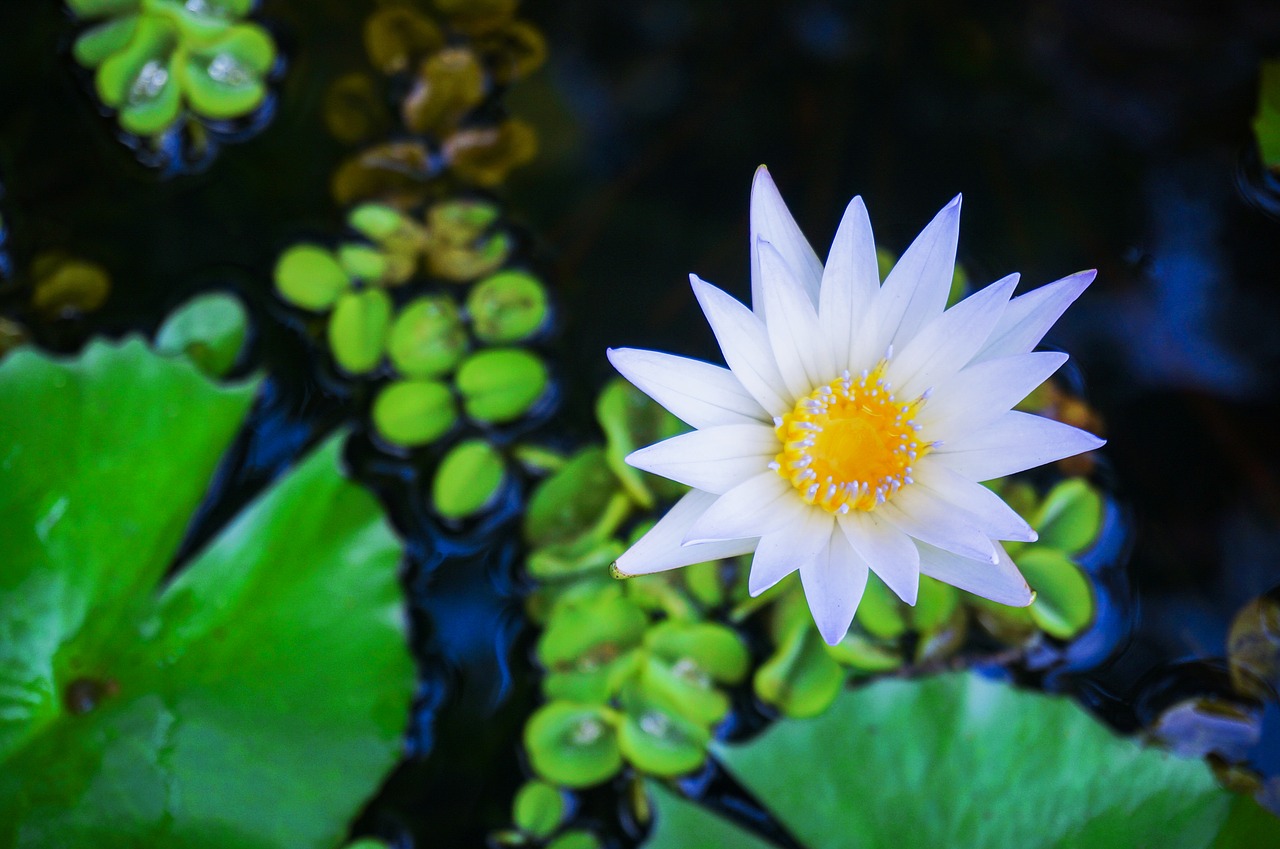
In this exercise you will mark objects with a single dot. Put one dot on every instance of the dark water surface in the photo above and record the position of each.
(1082, 134)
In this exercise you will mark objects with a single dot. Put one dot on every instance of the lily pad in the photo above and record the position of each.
(140, 712)
(960, 761)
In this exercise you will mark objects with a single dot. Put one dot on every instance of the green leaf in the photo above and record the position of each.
(363, 262)
(140, 81)
(1064, 598)
(203, 20)
(679, 821)
(102, 8)
(631, 420)
(801, 679)
(224, 78)
(538, 809)
(579, 556)
(310, 277)
(103, 41)
(701, 649)
(138, 713)
(575, 840)
(880, 612)
(656, 739)
(209, 329)
(587, 646)
(507, 307)
(469, 476)
(358, 329)
(573, 745)
(959, 761)
(410, 413)
(1070, 516)
(1266, 121)
(428, 337)
(501, 384)
(568, 504)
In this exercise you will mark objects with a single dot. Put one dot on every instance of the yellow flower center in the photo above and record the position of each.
(850, 445)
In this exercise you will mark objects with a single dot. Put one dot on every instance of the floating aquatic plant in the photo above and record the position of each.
(452, 66)
(1006, 758)
(854, 421)
(197, 689)
(426, 302)
(157, 62)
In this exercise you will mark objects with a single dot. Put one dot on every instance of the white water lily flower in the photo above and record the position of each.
(855, 420)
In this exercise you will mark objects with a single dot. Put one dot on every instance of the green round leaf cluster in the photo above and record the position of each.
(657, 689)
(644, 667)
(641, 655)
(434, 343)
(153, 57)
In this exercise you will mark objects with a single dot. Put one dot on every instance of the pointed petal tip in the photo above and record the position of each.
(762, 180)
(831, 633)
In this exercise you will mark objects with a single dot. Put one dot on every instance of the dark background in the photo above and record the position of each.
(1083, 134)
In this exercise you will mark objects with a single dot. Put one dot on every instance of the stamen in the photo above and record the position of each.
(850, 445)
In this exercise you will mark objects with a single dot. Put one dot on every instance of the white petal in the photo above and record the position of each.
(986, 510)
(945, 344)
(1029, 317)
(758, 506)
(916, 289)
(983, 393)
(888, 551)
(798, 348)
(698, 393)
(715, 459)
(1001, 581)
(927, 517)
(1011, 443)
(833, 585)
(660, 549)
(782, 552)
(745, 344)
(772, 221)
(850, 281)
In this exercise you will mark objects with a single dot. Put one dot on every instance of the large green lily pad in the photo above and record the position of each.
(959, 761)
(255, 699)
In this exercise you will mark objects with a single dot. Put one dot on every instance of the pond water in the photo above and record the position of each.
(1082, 134)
